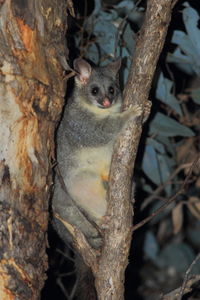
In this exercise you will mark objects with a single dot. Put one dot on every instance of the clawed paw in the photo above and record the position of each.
(147, 109)
(104, 222)
(136, 110)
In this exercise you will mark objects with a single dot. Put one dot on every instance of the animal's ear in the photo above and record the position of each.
(83, 70)
(114, 66)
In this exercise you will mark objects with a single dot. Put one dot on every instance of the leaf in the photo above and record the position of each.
(126, 68)
(197, 183)
(147, 188)
(179, 256)
(156, 145)
(150, 165)
(128, 36)
(191, 19)
(188, 43)
(97, 7)
(168, 144)
(165, 164)
(194, 206)
(163, 93)
(193, 234)
(166, 126)
(181, 60)
(184, 43)
(106, 33)
(157, 167)
(177, 217)
(93, 54)
(129, 9)
(151, 247)
(125, 5)
(185, 149)
(156, 205)
(196, 96)
(103, 25)
(179, 57)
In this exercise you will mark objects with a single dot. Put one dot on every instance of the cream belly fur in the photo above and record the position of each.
(88, 179)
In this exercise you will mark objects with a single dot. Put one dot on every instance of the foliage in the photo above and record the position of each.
(173, 126)
(172, 238)
(187, 51)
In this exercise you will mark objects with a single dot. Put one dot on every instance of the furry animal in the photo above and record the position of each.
(91, 122)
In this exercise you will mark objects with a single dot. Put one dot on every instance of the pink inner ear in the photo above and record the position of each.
(84, 75)
(83, 70)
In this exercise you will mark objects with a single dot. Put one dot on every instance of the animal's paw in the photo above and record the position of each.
(104, 222)
(147, 110)
(136, 110)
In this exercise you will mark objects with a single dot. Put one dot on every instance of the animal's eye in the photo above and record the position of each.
(111, 90)
(95, 90)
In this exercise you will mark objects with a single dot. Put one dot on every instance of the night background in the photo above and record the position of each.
(164, 248)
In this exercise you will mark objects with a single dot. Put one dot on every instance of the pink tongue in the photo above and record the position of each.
(106, 102)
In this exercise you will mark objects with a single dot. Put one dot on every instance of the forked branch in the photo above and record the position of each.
(118, 229)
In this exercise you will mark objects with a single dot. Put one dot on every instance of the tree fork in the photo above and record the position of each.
(117, 235)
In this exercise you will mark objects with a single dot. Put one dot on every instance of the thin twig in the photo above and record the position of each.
(173, 295)
(170, 200)
(119, 33)
(73, 291)
(187, 273)
(162, 186)
(63, 289)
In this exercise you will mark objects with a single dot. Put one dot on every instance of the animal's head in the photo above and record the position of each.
(97, 85)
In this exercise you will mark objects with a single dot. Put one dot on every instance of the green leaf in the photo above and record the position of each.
(179, 256)
(151, 246)
(163, 93)
(167, 143)
(188, 44)
(196, 96)
(166, 126)
(156, 145)
(150, 165)
(128, 37)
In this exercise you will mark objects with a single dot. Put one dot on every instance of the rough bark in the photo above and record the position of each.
(117, 235)
(109, 265)
(32, 87)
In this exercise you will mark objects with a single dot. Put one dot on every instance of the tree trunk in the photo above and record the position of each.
(32, 89)
(109, 267)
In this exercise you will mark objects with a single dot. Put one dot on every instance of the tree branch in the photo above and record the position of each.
(117, 235)
(149, 45)
(80, 243)
(171, 199)
(187, 273)
(175, 294)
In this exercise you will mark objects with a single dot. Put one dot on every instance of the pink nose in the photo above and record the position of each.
(106, 102)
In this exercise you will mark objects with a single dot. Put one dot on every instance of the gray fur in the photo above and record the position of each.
(87, 127)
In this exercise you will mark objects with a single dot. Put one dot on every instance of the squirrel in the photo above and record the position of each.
(91, 122)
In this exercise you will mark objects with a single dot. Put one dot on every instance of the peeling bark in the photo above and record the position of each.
(32, 88)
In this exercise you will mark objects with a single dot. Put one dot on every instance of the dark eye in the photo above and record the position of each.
(95, 90)
(111, 90)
